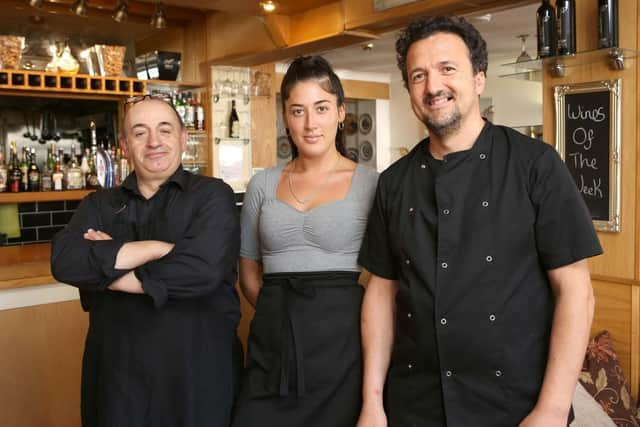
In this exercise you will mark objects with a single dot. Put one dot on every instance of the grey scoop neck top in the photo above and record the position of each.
(326, 238)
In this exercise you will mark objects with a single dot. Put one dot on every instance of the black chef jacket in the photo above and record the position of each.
(168, 357)
(470, 239)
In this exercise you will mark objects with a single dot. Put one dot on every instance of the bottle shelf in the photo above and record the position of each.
(43, 196)
(39, 81)
(557, 65)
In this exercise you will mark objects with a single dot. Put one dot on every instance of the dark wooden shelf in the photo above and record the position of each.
(43, 196)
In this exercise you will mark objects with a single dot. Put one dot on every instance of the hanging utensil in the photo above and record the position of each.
(27, 134)
(43, 131)
(34, 137)
(56, 131)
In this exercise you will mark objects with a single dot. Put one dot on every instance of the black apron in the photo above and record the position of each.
(304, 363)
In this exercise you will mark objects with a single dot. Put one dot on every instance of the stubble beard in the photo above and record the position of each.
(443, 126)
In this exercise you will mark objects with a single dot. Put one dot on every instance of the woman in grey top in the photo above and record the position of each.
(302, 225)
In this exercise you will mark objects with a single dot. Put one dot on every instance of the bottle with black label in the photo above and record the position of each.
(234, 121)
(34, 172)
(608, 23)
(546, 28)
(566, 15)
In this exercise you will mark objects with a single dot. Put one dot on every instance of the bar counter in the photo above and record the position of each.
(26, 265)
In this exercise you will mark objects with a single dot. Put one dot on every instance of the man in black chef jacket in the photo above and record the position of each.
(480, 303)
(155, 262)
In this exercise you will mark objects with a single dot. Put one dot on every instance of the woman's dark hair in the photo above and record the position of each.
(316, 68)
(424, 27)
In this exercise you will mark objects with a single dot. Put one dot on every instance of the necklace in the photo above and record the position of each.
(314, 193)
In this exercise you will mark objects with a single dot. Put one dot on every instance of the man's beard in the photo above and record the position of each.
(442, 126)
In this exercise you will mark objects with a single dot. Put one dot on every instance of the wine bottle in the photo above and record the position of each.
(34, 172)
(15, 175)
(4, 174)
(608, 23)
(24, 170)
(566, 15)
(546, 28)
(234, 121)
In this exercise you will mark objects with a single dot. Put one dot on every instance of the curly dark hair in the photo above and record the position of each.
(423, 27)
(316, 68)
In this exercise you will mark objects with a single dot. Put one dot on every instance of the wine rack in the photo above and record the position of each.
(39, 81)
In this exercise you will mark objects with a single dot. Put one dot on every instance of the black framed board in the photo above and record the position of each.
(588, 140)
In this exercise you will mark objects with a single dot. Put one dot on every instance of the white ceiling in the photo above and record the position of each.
(500, 33)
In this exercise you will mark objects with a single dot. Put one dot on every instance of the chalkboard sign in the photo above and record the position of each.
(588, 139)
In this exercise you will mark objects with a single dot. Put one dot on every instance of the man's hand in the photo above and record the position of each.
(372, 415)
(94, 235)
(545, 418)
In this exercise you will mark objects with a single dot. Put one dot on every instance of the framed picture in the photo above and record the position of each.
(588, 140)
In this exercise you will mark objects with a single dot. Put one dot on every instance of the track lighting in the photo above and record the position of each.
(122, 12)
(79, 7)
(159, 19)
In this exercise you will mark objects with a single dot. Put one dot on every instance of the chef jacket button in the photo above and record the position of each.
(443, 321)
(406, 261)
(446, 211)
(485, 203)
(448, 373)
(409, 315)
(410, 210)
(444, 265)
(492, 317)
(498, 373)
(483, 156)
(489, 258)
(410, 366)
(423, 166)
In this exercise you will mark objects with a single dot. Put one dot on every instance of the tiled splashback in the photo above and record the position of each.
(39, 221)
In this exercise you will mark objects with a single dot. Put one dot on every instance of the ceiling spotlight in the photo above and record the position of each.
(367, 47)
(122, 12)
(159, 19)
(36, 3)
(79, 7)
(268, 6)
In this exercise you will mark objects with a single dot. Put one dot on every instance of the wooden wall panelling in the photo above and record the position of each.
(619, 259)
(263, 124)
(41, 356)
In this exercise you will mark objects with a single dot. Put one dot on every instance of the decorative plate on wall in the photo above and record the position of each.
(352, 153)
(366, 151)
(365, 123)
(284, 147)
(350, 124)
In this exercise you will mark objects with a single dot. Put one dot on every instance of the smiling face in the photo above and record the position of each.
(442, 86)
(312, 115)
(153, 139)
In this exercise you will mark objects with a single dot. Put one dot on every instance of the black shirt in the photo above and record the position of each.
(166, 357)
(470, 239)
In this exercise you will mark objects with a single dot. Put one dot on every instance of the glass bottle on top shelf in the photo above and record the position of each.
(566, 18)
(608, 23)
(546, 30)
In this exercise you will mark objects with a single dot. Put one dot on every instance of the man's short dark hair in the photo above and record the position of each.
(424, 27)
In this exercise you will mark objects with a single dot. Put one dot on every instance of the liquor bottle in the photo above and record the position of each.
(15, 174)
(46, 179)
(234, 121)
(24, 169)
(546, 28)
(34, 172)
(74, 173)
(124, 166)
(608, 20)
(180, 107)
(84, 167)
(199, 117)
(566, 16)
(189, 111)
(51, 158)
(91, 177)
(57, 177)
(63, 167)
(4, 174)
